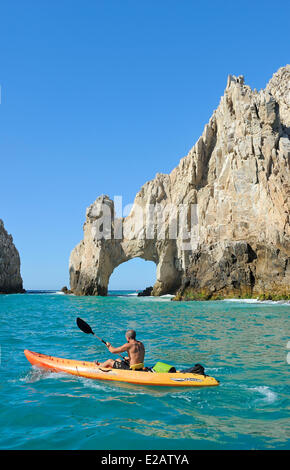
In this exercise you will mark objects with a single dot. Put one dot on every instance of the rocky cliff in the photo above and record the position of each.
(10, 278)
(218, 224)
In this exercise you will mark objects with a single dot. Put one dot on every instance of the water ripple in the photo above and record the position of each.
(242, 344)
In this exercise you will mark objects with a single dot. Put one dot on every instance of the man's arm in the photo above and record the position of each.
(120, 349)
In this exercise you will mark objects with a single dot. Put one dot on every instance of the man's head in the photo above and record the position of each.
(130, 335)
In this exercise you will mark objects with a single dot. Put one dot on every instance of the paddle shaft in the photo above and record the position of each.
(107, 346)
(100, 339)
(85, 327)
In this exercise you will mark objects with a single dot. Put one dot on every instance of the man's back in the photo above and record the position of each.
(136, 352)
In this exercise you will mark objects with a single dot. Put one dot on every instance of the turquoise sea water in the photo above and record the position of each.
(242, 344)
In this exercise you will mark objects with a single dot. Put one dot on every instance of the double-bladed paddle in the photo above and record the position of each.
(85, 327)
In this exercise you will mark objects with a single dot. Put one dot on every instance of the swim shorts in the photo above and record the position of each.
(121, 365)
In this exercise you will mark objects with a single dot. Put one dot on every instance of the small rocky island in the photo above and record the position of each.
(10, 278)
(237, 177)
(146, 292)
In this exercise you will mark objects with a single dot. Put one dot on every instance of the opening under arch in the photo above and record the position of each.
(135, 274)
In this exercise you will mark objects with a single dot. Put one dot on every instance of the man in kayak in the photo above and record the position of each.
(135, 350)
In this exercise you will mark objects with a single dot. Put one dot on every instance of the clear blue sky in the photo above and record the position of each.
(98, 96)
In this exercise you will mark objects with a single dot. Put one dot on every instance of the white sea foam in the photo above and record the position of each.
(213, 369)
(120, 388)
(155, 298)
(149, 298)
(61, 293)
(35, 374)
(268, 395)
(97, 385)
(248, 301)
(257, 301)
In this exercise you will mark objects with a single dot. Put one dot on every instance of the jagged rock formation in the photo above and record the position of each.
(65, 290)
(10, 278)
(146, 292)
(234, 181)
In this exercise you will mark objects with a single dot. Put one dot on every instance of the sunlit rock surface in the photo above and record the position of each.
(10, 278)
(237, 178)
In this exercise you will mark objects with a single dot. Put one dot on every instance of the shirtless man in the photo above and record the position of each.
(135, 350)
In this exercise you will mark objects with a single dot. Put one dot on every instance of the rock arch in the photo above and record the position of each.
(93, 261)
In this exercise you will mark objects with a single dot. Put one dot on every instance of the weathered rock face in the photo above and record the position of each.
(234, 269)
(10, 278)
(220, 221)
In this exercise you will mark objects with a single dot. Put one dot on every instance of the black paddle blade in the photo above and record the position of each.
(84, 326)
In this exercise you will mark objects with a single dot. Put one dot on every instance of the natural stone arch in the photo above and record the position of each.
(93, 261)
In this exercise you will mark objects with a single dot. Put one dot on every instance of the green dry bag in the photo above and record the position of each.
(160, 367)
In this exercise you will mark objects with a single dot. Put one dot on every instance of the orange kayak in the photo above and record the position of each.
(92, 371)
